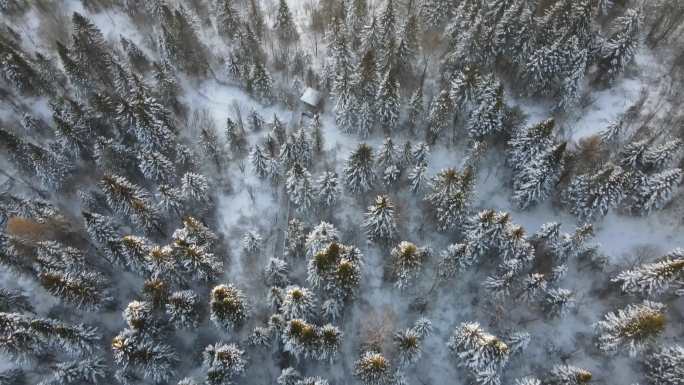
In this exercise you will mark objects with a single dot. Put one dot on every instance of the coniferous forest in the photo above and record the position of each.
(341, 192)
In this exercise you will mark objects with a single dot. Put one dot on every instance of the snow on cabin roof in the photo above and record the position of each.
(311, 97)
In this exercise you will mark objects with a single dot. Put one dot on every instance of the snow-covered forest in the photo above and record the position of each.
(341, 192)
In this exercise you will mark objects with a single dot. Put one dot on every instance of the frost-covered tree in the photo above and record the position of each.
(285, 27)
(408, 343)
(488, 115)
(155, 166)
(387, 101)
(14, 301)
(666, 365)
(653, 279)
(75, 372)
(536, 181)
(327, 189)
(300, 188)
(439, 115)
(227, 19)
(631, 329)
(380, 220)
(655, 191)
(372, 368)
(484, 354)
(131, 200)
(276, 272)
(620, 48)
(223, 363)
(182, 308)
(568, 375)
(591, 196)
(558, 302)
(259, 162)
(451, 196)
(296, 239)
(195, 187)
(228, 307)
(407, 262)
(456, 258)
(358, 170)
(418, 178)
(298, 302)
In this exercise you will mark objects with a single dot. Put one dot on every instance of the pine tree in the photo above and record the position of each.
(136, 353)
(536, 181)
(300, 188)
(621, 47)
(275, 272)
(658, 157)
(527, 143)
(195, 187)
(358, 170)
(482, 353)
(224, 362)
(14, 301)
(568, 375)
(259, 162)
(155, 166)
(296, 239)
(182, 308)
(632, 328)
(408, 343)
(298, 302)
(228, 307)
(284, 27)
(380, 222)
(456, 258)
(251, 242)
(75, 372)
(387, 100)
(653, 279)
(665, 365)
(439, 115)
(126, 198)
(227, 19)
(372, 368)
(450, 196)
(592, 196)
(655, 191)
(317, 137)
(489, 113)
(407, 262)
(260, 82)
(89, 49)
(558, 302)
(327, 189)
(85, 290)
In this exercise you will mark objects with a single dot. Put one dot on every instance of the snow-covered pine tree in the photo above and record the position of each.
(568, 375)
(631, 329)
(558, 302)
(227, 19)
(300, 188)
(327, 189)
(654, 279)
(658, 157)
(380, 220)
(527, 143)
(666, 365)
(591, 196)
(228, 307)
(127, 199)
(620, 48)
(450, 197)
(655, 191)
(408, 343)
(358, 170)
(407, 263)
(295, 239)
(183, 310)
(259, 162)
(488, 115)
(92, 369)
(537, 180)
(275, 272)
(387, 101)
(155, 166)
(484, 354)
(372, 368)
(260, 82)
(284, 26)
(456, 258)
(439, 115)
(223, 362)
(416, 111)
(298, 302)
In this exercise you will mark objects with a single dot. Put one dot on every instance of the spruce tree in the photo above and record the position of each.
(327, 189)
(591, 196)
(372, 368)
(655, 191)
(223, 363)
(407, 262)
(284, 27)
(358, 170)
(631, 329)
(380, 222)
(653, 279)
(621, 47)
(300, 188)
(228, 307)
(536, 181)
(568, 375)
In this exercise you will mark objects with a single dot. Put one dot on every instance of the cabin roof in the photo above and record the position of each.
(311, 97)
